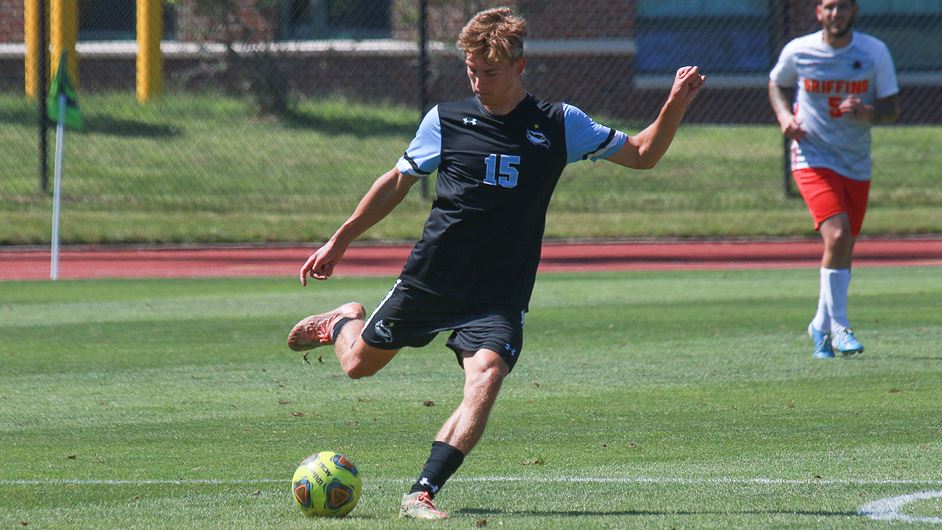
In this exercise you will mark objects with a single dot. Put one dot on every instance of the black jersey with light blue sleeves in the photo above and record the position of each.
(586, 139)
(496, 175)
(425, 151)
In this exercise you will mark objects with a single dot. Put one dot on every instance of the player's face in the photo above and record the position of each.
(493, 83)
(836, 16)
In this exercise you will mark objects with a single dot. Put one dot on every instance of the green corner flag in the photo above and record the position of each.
(62, 85)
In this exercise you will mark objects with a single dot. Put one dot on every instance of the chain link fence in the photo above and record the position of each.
(274, 116)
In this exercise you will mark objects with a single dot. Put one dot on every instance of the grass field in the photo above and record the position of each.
(205, 168)
(641, 400)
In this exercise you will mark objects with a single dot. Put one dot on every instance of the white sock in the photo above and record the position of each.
(822, 321)
(835, 283)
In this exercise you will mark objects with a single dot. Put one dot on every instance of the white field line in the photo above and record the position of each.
(489, 479)
(889, 509)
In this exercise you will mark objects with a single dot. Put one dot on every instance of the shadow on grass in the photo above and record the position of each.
(96, 123)
(590, 513)
(363, 126)
(19, 115)
(355, 125)
(123, 127)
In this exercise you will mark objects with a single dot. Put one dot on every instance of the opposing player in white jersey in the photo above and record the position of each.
(845, 83)
(498, 155)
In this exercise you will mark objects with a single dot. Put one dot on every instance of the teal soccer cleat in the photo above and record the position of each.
(822, 343)
(846, 343)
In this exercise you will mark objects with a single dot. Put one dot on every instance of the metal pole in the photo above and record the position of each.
(57, 187)
(43, 77)
(423, 73)
(779, 37)
(786, 169)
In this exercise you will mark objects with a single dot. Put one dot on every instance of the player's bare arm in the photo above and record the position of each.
(384, 195)
(644, 150)
(787, 121)
(884, 110)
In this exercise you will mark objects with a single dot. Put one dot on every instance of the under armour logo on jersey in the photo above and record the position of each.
(538, 139)
(469, 121)
(511, 349)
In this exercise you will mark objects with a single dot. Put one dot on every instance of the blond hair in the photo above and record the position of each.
(496, 34)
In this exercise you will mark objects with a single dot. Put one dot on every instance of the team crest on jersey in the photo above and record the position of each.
(538, 139)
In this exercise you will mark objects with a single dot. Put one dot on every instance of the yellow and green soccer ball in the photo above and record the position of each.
(326, 484)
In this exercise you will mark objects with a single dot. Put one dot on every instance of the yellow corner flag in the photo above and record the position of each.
(61, 85)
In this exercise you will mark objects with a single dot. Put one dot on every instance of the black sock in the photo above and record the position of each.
(441, 465)
(336, 331)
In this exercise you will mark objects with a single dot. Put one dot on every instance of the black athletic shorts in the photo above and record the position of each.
(410, 316)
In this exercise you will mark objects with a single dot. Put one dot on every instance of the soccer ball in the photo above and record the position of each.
(326, 484)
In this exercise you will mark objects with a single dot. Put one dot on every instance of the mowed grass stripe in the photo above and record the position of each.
(642, 399)
(499, 479)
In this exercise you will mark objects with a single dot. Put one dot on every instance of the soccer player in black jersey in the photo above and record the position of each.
(499, 155)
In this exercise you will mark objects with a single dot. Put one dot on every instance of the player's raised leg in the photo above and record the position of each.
(318, 330)
(484, 374)
(341, 327)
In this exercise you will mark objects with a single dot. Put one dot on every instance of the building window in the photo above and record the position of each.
(910, 30)
(732, 36)
(334, 19)
(108, 20)
(721, 36)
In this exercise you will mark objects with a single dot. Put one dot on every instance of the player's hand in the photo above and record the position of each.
(791, 128)
(854, 108)
(687, 83)
(320, 265)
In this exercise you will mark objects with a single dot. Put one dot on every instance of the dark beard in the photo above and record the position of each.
(850, 26)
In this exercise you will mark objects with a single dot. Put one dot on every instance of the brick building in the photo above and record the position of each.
(11, 21)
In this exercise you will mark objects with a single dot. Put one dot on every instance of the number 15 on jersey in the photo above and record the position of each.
(501, 170)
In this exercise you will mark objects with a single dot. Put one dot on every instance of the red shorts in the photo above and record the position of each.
(828, 193)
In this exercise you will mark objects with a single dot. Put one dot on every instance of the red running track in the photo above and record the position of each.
(79, 263)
